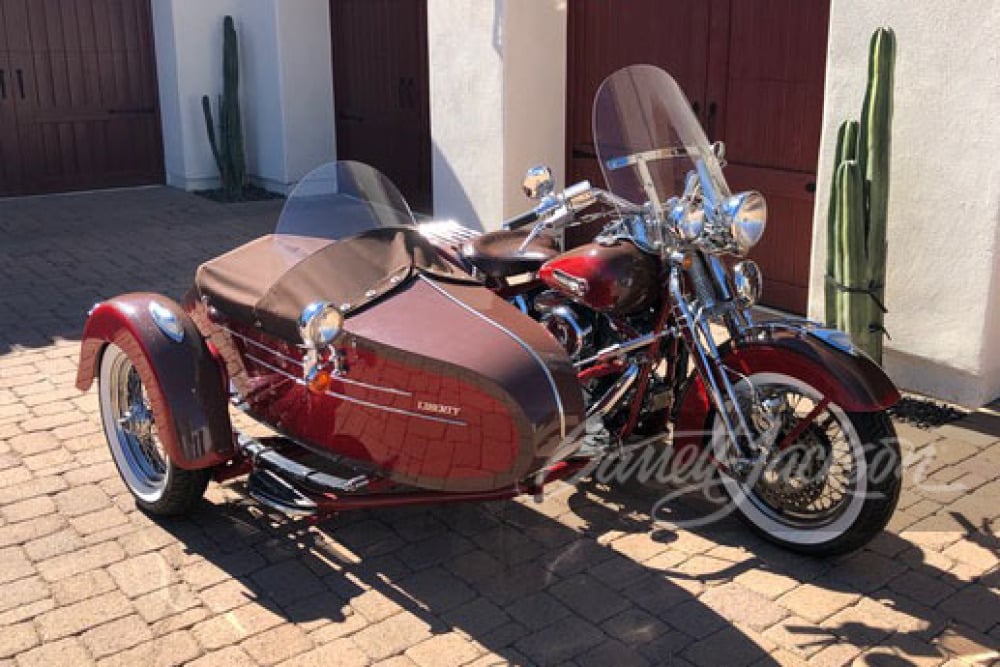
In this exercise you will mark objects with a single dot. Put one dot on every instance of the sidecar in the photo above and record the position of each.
(383, 367)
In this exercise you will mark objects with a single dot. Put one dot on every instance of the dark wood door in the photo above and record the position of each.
(759, 88)
(82, 77)
(605, 36)
(381, 92)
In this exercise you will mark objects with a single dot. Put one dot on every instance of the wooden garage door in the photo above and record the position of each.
(78, 96)
(754, 71)
(381, 91)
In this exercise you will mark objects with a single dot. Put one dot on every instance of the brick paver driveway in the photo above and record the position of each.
(583, 578)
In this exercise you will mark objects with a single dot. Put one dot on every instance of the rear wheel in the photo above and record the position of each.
(834, 483)
(159, 486)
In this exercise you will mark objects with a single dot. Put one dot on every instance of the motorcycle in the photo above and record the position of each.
(399, 363)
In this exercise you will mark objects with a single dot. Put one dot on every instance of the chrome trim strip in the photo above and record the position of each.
(345, 380)
(527, 348)
(351, 399)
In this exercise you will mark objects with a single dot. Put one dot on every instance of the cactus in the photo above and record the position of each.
(859, 201)
(227, 146)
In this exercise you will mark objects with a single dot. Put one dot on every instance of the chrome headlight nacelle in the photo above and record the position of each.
(736, 226)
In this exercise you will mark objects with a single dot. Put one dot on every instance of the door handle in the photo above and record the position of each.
(20, 82)
(3, 84)
(697, 108)
(811, 187)
(710, 120)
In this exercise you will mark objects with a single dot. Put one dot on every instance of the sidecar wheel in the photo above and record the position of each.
(159, 486)
(830, 491)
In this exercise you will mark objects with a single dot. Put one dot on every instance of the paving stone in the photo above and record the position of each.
(726, 647)
(14, 564)
(61, 542)
(38, 486)
(477, 617)
(392, 635)
(27, 531)
(22, 592)
(634, 626)
(445, 650)
(16, 639)
(116, 636)
(815, 603)
(75, 618)
(769, 584)
(339, 653)
(90, 558)
(976, 606)
(236, 625)
(142, 574)
(227, 595)
(278, 644)
(800, 636)
(538, 610)
(589, 598)
(146, 539)
(437, 589)
(287, 582)
(95, 522)
(231, 656)
(165, 602)
(28, 509)
(69, 651)
(561, 641)
(736, 603)
(81, 500)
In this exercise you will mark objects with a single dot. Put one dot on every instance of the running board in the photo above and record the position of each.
(310, 480)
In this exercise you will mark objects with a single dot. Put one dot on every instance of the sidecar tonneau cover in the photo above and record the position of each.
(267, 282)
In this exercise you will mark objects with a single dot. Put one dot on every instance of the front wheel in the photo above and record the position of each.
(825, 488)
(158, 485)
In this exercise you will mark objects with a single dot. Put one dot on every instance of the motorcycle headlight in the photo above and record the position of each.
(688, 219)
(746, 213)
(748, 282)
(320, 324)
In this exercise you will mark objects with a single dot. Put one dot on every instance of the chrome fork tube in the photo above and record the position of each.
(707, 362)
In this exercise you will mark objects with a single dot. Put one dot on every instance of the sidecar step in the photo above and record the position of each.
(295, 473)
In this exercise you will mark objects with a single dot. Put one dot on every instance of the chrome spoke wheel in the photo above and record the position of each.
(130, 427)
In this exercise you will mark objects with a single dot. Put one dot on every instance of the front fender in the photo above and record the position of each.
(184, 383)
(849, 378)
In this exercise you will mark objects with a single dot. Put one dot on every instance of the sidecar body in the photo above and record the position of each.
(441, 385)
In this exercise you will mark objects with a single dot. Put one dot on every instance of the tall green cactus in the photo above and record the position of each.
(859, 202)
(227, 148)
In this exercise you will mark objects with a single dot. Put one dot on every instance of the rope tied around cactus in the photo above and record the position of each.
(871, 290)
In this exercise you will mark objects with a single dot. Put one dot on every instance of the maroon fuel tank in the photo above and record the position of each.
(619, 278)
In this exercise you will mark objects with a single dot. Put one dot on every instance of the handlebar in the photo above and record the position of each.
(521, 220)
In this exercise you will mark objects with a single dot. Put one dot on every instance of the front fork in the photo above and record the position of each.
(697, 334)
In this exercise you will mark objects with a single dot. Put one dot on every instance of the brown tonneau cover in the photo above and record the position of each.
(267, 282)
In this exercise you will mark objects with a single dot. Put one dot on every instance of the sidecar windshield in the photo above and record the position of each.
(345, 236)
(648, 138)
(338, 200)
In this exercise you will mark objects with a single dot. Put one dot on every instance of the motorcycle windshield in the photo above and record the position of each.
(338, 200)
(648, 139)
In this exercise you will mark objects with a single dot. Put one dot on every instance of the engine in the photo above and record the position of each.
(569, 324)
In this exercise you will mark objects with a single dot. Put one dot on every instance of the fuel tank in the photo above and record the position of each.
(618, 279)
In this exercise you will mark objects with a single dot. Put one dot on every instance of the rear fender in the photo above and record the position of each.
(185, 384)
(845, 375)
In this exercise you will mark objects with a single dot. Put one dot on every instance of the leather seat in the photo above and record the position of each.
(498, 254)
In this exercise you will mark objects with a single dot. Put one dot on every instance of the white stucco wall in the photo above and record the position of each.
(498, 96)
(286, 86)
(466, 91)
(943, 284)
(534, 91)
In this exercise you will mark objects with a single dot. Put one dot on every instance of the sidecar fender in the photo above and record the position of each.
(845, 375)
(185, 384)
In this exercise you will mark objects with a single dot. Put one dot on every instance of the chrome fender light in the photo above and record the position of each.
(166, 321)
(320, 325)
(748, 282)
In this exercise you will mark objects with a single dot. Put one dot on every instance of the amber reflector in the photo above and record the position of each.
(320, 381)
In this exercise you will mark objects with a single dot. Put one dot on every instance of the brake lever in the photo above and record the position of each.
(536, 231)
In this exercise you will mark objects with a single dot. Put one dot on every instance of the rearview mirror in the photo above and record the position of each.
(538, 182)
